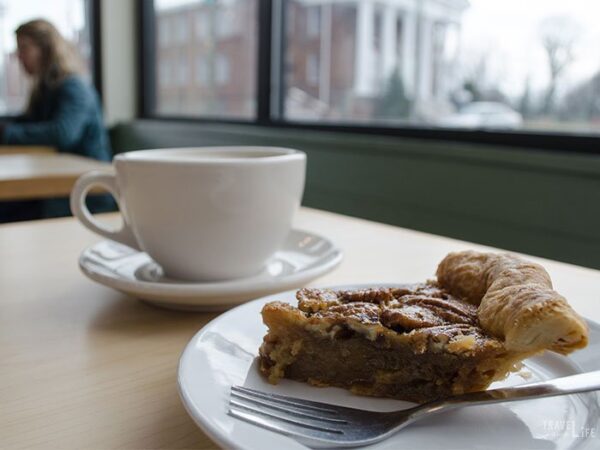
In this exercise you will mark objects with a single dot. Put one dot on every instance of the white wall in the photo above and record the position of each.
(119, 59)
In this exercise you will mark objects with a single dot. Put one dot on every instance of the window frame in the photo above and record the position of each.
(95, 23)
(270, 103)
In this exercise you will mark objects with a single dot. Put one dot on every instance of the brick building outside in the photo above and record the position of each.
(339, 57)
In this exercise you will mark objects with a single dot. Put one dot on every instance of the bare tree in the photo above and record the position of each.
(559, 35)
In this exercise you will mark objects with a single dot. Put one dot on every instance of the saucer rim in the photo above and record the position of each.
(214, 289)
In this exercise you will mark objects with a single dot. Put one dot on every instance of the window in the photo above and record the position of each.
(228, 19)
(71, 17)
(182, 71)
(202, 75)
(202, 25)
(182, 32)
(313, 21)
(536, 65)
(222, 70)
(444, 69)
(215, 54)
(164, 34)
(165, 74)
(312, 69)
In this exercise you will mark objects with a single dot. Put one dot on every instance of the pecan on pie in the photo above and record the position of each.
(483, 315)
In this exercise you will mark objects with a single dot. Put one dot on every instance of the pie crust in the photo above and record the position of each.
(516, 302)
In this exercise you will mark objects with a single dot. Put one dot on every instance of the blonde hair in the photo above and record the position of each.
(59, 59)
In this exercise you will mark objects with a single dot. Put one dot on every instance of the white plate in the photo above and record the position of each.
(303, 257)
(224, 353)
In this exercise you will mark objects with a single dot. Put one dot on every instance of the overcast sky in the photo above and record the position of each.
(508, 31)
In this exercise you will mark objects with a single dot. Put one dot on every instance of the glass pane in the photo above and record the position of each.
(69, 16)
(502, 65)
(206, 57)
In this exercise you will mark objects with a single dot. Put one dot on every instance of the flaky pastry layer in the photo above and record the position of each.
(515, 300)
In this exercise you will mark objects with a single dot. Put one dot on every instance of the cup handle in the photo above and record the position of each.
(79, 209)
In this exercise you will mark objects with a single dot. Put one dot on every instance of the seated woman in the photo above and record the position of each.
(63, 112)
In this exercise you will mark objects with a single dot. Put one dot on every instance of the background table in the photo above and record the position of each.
(83, 366)
(42, 175)
(25, 149)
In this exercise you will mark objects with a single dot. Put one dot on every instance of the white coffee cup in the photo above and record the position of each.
(202, 214)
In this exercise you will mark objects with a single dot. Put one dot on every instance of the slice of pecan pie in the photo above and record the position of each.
(474, 325)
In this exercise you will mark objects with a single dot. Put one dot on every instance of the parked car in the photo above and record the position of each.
(493, 115)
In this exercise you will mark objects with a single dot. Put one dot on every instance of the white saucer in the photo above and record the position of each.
(303, 257)
(224, 353)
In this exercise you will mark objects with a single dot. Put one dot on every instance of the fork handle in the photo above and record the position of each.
(584, 382)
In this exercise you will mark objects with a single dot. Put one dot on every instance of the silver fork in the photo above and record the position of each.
(323, 425)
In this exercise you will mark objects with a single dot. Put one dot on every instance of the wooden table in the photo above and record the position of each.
(26, 149)
(42, 175)
(83, 366)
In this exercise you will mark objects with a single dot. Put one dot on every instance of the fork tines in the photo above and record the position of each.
(284, 414)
